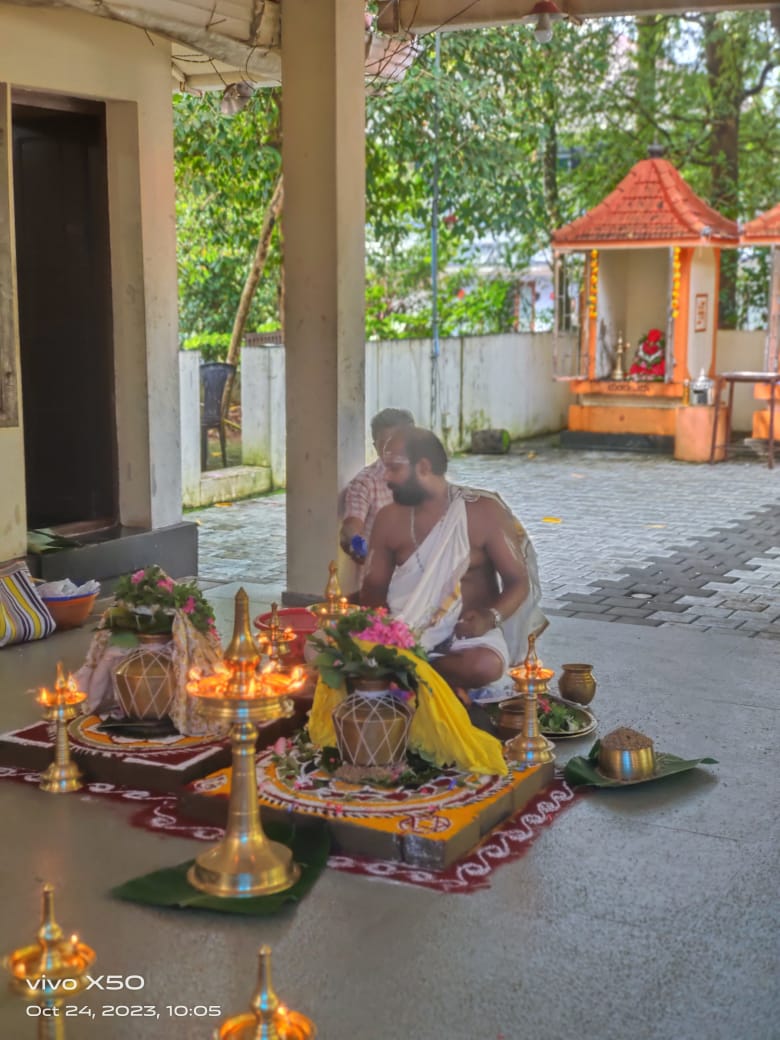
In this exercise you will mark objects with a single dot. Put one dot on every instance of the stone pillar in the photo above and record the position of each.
(323, 158)
(263, 437)
(277, 416)
(189, 397)
(255, 418)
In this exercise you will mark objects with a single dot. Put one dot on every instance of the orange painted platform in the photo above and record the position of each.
(761, 422)
(693, 437)
(627, 388)
(629, 418)
(432, 825)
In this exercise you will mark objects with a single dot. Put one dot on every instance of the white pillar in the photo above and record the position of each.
(323, 155)
(255, 417)
(189, 403)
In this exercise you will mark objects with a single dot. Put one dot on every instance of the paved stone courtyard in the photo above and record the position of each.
(630, 538)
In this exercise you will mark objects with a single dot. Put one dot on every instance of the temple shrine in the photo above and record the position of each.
(649, 314)
(764, 230)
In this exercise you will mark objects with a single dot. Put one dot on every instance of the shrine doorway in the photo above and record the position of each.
(65, 315)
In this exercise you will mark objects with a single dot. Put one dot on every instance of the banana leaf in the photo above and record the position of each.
(582, 770)
(42, 540)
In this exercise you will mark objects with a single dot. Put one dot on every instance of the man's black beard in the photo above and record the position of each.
(409, 493)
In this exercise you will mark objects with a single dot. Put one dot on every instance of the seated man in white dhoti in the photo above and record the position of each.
(454, 564)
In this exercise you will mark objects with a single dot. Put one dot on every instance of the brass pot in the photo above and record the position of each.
(577, 683)
(628, 765)
(510, 717)
(143, 681)
(372, 726)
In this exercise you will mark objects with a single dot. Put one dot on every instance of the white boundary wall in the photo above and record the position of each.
(491, 381)
(483, 381)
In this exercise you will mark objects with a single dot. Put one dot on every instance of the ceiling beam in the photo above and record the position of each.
(421, 16)
(254, 62)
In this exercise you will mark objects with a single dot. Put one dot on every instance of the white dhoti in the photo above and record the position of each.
(425, 590)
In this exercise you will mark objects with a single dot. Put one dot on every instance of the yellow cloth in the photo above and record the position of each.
(441, 730)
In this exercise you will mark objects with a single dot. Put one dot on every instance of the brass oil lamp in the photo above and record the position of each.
(275, 640)
(335, 605)
(267, 1019)
(60, 705)
(51, 970)
(244, 863)
(530, 747)
(618, 373)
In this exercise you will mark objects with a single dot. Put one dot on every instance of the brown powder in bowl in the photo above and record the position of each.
(625, 739)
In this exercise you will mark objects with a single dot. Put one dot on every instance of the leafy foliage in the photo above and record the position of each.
(518, 139)
(225, 172)
(147, 600)
(213, 346)
(367, 644)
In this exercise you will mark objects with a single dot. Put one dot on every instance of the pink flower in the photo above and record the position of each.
(165, 583)
(189, 606)
(280, 746)
(137, 578)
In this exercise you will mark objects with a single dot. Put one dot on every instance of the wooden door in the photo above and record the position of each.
(64, 283)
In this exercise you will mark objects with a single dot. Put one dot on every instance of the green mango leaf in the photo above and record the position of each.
(124, 639)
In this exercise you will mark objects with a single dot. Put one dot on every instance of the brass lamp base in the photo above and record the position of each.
(63, 775)
(529, 747)
(530, 751)
(60, 779)
(245, 863)
(258, 867)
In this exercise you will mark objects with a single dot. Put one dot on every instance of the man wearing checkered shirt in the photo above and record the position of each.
(368, 492)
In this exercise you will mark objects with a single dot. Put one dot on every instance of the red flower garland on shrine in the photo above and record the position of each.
(650, 360)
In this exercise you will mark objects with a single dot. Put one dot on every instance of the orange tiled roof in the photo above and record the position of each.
(652, 205)
(763, 229)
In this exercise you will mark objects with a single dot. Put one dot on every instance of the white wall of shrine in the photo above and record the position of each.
(75, 55)
(612, 308)
(646, 293)
(701, 314)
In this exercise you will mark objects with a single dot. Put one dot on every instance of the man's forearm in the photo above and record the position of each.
(350, 527)
(512, 597)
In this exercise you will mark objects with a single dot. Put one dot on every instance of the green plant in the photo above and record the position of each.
(148, 599)
(213, 346)
(368, 644)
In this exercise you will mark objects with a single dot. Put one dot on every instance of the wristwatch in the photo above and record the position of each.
(497, 619)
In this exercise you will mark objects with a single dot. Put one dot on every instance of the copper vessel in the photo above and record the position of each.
(577, 683)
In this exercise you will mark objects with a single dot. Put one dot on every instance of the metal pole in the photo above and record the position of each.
(435, 349)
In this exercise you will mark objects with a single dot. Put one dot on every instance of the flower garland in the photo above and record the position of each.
(593, 295)
(650, 362)
(676, 265)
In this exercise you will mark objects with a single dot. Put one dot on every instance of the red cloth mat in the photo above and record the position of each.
(508, 842)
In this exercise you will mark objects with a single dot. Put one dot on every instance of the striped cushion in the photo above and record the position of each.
(23, 614)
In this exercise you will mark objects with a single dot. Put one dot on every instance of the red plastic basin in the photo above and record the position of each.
(300, 620)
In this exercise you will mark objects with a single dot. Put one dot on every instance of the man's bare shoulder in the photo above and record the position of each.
(485, 506)
(391, 521)
(486, 514)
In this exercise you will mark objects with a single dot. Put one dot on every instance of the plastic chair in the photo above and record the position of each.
(213, 377)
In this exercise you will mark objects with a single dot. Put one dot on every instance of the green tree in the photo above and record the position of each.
(226, 172)
(526, 138)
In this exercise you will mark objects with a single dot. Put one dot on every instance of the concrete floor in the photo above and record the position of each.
(647, 913)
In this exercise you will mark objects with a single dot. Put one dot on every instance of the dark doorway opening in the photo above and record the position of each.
(65, 319)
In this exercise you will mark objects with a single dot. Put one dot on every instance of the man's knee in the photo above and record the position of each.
(470, 668)
(485, 667)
